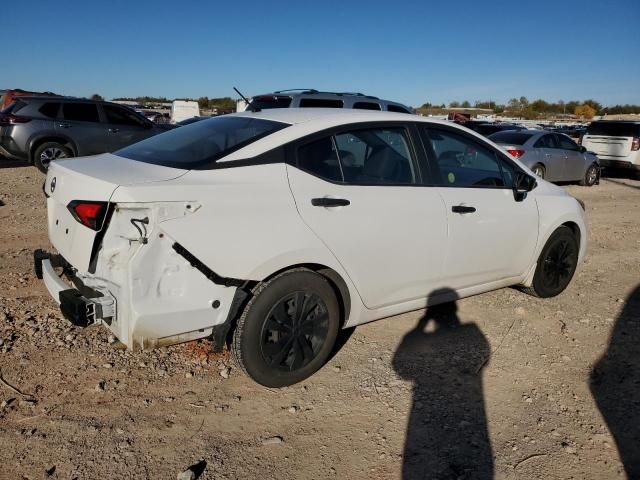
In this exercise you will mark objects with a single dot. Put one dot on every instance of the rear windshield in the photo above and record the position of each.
(511, 137)
(263, 102)
(201, 144)
(614, 129)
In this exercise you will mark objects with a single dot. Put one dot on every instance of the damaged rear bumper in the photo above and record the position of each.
(81, 308)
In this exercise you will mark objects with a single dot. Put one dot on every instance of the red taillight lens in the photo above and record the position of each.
(90, 214)
(515, 152)
(9, 119)
(635, 144)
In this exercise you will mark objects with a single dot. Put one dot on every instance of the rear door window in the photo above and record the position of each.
(366, 106)
(614, 129)
(80, 112)
(307, 102)
(320, 159)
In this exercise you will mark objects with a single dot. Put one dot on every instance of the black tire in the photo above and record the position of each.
(556, 265)
(590, 176)
(288, 329)
(47, 152)
(539, 170)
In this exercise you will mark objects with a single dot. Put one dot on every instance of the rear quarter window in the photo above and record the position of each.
(264, 102)
(366, 106)
(614, 129)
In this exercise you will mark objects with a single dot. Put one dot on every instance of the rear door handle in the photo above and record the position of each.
(462, 209)
(114, 130)
(330, 202)
(64, 125)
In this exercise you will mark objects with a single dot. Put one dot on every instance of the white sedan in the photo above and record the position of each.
(269, 231)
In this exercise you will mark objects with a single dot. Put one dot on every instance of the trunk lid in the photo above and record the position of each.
(91, 179)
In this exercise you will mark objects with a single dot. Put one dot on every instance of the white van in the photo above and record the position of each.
(182, 110)
(617, 143)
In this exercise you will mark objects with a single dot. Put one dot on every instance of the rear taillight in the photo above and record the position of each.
(89, 214)
(635, 144)
(515, 152)
(10, 119)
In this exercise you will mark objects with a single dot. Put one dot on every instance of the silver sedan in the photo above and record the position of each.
(552, 156)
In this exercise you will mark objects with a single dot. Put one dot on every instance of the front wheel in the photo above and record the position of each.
(590, 176)
(556, 265)
(288, 329)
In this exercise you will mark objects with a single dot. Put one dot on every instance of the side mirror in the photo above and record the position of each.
(583, 149)
(524, 183)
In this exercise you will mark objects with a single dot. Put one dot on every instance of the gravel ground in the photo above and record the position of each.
(498, 386)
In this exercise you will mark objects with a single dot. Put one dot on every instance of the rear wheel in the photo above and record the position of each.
(538, 169)
(590, 176)
(556, 265)
(288, 329)
(49, 151)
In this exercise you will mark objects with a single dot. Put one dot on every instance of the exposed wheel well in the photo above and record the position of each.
(40, 141)
(335, 280)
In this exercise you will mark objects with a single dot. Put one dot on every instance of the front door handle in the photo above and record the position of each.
(64, 125)
(114, 130)
(330, 202)
(462, 209)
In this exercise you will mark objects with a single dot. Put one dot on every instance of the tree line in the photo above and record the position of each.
(524, 108)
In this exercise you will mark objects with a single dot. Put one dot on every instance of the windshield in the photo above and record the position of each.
(201, 144)
(511, 137)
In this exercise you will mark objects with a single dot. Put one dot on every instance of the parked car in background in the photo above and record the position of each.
(42, 129)
(8, 96)
(552, 156)
(310, 98)
(155, 117)
(488, 128)
(359, 215)
(617, 143)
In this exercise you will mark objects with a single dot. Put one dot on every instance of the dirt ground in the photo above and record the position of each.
(500, 388)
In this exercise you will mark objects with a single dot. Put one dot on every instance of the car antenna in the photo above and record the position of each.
(253, 109)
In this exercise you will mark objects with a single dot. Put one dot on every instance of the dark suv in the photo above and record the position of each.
(42, 129)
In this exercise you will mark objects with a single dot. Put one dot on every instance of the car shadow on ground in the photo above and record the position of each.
(624, 184)
(615, 384)
(447, 435)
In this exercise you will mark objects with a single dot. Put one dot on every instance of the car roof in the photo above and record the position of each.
(306, 121)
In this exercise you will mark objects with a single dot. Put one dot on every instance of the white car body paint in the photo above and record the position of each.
(392, 246)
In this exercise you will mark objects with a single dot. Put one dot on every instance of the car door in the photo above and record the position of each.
(124, 126)
(360, 191)
(575, 164)
(491, 235)
(81, 122)
(551, 157)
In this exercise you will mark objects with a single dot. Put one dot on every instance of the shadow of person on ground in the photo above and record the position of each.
(615, 384)
(447, 436)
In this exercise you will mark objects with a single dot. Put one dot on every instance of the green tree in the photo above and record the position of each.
(96, 97)
(454, 104)
(466, 104)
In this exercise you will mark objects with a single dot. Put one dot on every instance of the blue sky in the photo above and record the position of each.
(410, 52)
